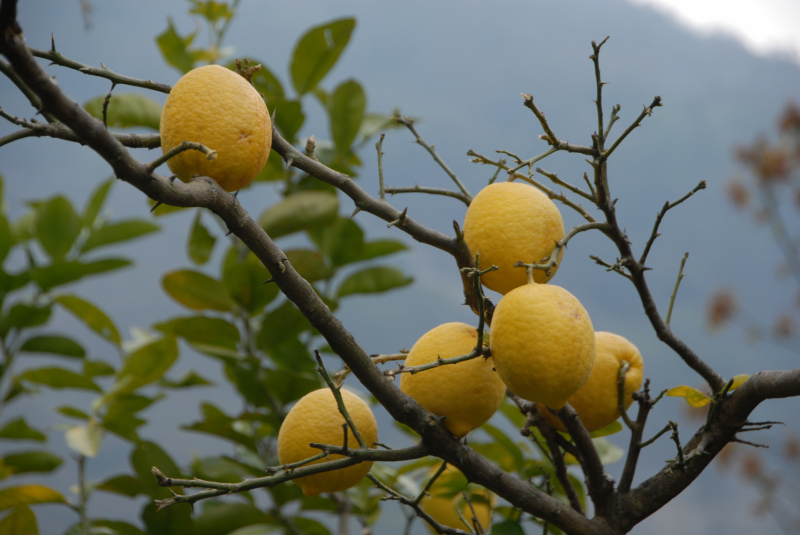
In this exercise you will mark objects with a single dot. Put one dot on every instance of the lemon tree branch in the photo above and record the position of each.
(177, 149)
(431, 191)
(573, 189)
(59, 131)
(550, 136)
(58, 58)
(599, 102)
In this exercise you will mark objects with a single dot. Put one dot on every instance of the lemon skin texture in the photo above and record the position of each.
(441, 504)
(597, 401)
(467, 393)
(511, 221)
(316, 418)
(218, 108)
(543, 343)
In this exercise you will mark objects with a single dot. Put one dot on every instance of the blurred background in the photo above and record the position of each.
(726, 74)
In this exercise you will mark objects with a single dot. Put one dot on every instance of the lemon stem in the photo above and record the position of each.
(529, 271)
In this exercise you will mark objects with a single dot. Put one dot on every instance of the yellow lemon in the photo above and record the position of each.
(316, 418)
(597, 401)
(507, 222)
(543, 343)
(467, 393)
(215, 106)
(446, 495)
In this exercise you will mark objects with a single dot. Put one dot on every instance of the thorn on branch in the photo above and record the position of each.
(400, 220)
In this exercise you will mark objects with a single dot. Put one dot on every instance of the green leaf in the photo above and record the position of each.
(146, 456)
(317, 51)
(608, 451)
(64, 272)
(377, 122)
(189, 379)
(264, 80)
(175, 48)
(202, 330)
(211, 11)
(118, 232)
(201, 242)
(126, 110)
(611, 429)
(373, 280)
(507, 527)
(146, 364)
(693, 397)
(257, 529)
(32, 461)
(291, 354)
(21, 521)
(274, 169)
(219, 424)
(342, 240)
(299, 211)
(378, 248)
(28, 495)
(224, 518)
(93, 317)
(72, 412)
(97, 368)
(309, 526)
(57, 226)
(117, 527)
(243, 275)
(309, 264)
(123, 484)
(59, 378)
(279, 325)
(174, 520)
(509, 445)
(346, 107)
(85, 439)
(738, 380)
(289, 118)
(218, 469)
(24, 228)
(197, 291)
(21, 316)
(96, 201)
(288, 386)
(19, 430)
(6, 237)
(56, 345)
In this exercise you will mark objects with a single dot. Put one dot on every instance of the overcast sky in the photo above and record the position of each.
(764, 26)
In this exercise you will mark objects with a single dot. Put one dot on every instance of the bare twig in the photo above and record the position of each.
(550, 136)
(573, 189)
(552, 261)
(409, 123)
(104, 72)
(379, 147)
(432, 191)
(177, 149)
(599, 102)
(646, 112)
(675, 290)
(340, 403)
(624, 366)
(667, 206)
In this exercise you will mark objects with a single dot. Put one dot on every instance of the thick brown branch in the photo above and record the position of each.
(656, 491)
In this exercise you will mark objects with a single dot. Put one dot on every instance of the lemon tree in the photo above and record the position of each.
(270, 306)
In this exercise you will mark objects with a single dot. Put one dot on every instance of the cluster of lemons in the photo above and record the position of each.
(543, 345)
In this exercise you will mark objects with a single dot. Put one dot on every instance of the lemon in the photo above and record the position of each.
(445, 497)
(507, 222)
(467, 393)
(316, 418)
(215, 106)
(543, 343)
(597, 402)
